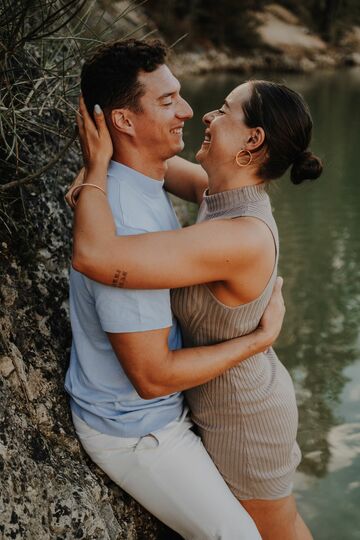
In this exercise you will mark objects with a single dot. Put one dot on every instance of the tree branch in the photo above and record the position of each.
(36, 175)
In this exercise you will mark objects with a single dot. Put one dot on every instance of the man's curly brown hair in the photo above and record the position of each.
(110, 77)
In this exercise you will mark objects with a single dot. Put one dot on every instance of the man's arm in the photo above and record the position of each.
(156, 371)
(185, 179)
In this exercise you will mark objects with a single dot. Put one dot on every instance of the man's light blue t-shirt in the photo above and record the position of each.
(101, 393)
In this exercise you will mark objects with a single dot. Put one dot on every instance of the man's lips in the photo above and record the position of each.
(177, 130)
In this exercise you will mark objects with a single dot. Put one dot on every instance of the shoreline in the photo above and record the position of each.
(198, 63)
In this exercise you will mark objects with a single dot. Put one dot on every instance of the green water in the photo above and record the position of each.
(319, 225)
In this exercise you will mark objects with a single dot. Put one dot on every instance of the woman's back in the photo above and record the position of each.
(204, 318)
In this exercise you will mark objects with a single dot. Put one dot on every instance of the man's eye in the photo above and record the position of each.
(220, 111)
(167, 104)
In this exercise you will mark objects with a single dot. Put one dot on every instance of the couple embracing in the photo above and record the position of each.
(138, 362)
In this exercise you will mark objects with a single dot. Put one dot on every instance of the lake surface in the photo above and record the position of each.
(319, 225)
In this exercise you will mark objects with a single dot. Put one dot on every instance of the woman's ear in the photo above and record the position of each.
(256, 138)
(121, 121)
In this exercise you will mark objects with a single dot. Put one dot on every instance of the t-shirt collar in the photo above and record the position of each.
(137, 180)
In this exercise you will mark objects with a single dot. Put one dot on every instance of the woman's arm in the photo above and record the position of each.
(185, 179)
(210, 251)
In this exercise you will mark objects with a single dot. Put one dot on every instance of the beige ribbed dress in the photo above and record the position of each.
(247, 417)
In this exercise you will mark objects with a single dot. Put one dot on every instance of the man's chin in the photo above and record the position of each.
(176, 149)
(181, 146)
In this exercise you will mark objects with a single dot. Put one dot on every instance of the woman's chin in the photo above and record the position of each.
(200, 156)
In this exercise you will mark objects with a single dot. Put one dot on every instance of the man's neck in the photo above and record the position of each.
(155, 169)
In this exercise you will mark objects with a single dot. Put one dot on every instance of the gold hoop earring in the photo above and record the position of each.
(238, 156)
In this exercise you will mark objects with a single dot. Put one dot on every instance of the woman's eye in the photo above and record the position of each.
(167, 104)
(220, 111)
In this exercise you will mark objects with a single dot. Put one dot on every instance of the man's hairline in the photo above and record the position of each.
(142, 88)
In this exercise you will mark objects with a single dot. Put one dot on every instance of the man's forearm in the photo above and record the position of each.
(185, 179)
(186, 368)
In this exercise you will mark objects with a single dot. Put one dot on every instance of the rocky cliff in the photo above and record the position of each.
(49, 488)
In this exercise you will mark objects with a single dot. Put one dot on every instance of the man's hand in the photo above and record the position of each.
(272, 319)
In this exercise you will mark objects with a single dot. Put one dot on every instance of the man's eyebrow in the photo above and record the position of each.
(169, 94)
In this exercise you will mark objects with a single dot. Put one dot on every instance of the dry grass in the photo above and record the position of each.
(42, 45)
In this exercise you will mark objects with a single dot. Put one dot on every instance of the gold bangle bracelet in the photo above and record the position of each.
(78, 188)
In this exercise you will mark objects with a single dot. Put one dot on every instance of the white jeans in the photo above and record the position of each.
(170, 473)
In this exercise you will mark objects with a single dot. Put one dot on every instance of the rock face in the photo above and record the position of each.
(280, 29)
(49, 488)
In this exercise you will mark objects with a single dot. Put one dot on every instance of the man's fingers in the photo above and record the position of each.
(278, 284)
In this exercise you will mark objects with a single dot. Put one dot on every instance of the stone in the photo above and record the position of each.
(49, 488)
(6, 366)
(9, 294)
(352, 59)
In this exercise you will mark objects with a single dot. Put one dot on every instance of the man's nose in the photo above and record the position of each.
(184, 110)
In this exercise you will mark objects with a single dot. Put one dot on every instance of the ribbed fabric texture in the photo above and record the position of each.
(247, 417)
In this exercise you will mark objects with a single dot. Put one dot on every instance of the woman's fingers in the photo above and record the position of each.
(89, 127)
(104, 134)
(84, 113)
(80, 125)
(77, 182)
(95, 138)
(82, 138)
(100, 120)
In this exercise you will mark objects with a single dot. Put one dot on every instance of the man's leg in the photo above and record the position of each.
(171, 474)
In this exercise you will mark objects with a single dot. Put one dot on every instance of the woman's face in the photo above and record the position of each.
(226, 132)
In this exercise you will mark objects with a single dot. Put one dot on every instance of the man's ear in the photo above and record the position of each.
(121, 121)
(256, 138)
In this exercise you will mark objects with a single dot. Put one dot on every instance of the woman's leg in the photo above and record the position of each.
(277, 519)
(302, 530)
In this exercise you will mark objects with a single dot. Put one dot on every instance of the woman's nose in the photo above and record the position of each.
(208, 117)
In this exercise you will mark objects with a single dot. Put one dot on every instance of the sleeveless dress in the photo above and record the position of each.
(247, 417)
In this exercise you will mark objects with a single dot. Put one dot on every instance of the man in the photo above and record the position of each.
(125, 343)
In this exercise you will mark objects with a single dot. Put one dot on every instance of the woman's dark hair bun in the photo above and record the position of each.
(306, 166)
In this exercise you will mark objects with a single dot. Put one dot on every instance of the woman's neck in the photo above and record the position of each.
(225, 180)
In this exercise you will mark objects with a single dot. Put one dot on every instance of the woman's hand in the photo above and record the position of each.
(96, 146)
(95, 140)
(79, 179)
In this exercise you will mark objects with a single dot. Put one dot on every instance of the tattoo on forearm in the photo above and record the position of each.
(119, 278)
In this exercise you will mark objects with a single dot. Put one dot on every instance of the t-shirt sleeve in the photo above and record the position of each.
(130, 310)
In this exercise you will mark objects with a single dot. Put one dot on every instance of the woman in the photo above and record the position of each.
(223, 270)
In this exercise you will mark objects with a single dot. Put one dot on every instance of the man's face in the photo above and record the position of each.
(159, 127)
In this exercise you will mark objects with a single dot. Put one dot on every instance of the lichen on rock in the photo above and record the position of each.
(49, 487)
